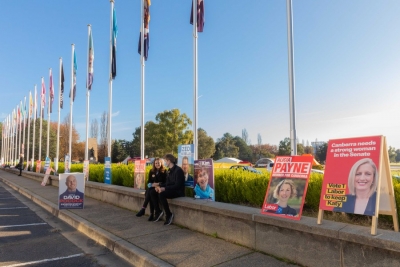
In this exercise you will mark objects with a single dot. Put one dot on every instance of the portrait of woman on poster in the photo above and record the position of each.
(202, 189)
(284, 191)
(362, 184)
(139, 181)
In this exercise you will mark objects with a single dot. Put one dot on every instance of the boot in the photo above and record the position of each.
(141, 212)
(151, 217)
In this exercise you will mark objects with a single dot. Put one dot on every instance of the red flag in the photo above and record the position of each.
(200, 15)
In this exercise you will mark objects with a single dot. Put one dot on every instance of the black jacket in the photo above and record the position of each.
(158, 177)
(175, 181)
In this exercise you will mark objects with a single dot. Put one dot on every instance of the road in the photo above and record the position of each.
(30, 236)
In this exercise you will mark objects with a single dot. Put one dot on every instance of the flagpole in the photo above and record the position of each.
(19, 130)
(34, 129)
(48, 116)
(110, 82)
(16, 136)
(29, 129)
(71, 103)
(293, 139)
(87, 97)
(43, 96)
(142, 156)
(59, 114)
(195, 82)
(23, 135)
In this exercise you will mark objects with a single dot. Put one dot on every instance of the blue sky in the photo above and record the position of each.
(346, 60)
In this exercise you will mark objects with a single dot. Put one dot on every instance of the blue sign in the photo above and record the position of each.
(185, 161)
(107, 170)
(47, 164)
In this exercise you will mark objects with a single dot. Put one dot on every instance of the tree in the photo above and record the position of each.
(94, 129)
(392, 154)
(118, 151)
(245, 137)
(300, 149)
(245, 152)
(308, 150)
(225, 147)
(103, 148)
(398, 155)
(320, 154)
(206, 145)
(284, 147)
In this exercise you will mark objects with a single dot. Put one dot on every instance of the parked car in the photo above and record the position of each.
(244, 168)
(263, 162)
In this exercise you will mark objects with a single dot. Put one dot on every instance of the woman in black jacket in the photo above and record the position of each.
(157, 176)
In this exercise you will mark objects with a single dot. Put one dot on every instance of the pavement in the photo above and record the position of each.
(135, 239)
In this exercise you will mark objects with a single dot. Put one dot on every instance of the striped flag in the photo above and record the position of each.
(51, 92)
(30, 104)
(62, 87)
(114, 46)
(146, 21)
(25, 110)
(43, 94)
(200, 15)
(90, 61)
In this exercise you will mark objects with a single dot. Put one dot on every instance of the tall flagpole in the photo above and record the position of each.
(34, 128)
(19, 130)
(195, 82)
(71, 103)
(142, 59)
(41, 119)
(110, 81)
(293, 139)
(29, 128)
(48, 115)
(59, 113)
(23, 135)
(87, 96)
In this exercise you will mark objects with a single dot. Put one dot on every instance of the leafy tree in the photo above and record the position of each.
(118, 151)
(225, 147)
(206, 145)
(245, 152)
(284, 147)
(392, 154)
(308, 150)
(245, 137)
(300, 149)
(398, 155)
(320, 154)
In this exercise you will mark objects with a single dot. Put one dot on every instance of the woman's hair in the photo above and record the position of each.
(171, 158)
(292, 188)
(154, 169)
(199, 171)
(352, 176)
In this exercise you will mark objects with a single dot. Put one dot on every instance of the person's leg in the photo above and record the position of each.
(163, 199)
(147, 197)
(154, 200)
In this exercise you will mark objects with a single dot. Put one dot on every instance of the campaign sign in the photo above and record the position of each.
(140, 171)
(204, 179)
(351, 175)
(46, 176)
(185, 161)
(67, 164)
(107, 170)
(47, 164)
(287, 187)
(71, 191)
(38, 165)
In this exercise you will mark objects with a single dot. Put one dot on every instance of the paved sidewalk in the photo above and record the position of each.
(137, 240)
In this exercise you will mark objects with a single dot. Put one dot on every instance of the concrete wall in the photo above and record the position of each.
(304, 242)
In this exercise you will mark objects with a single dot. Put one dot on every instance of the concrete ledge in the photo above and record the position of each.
(336, 244)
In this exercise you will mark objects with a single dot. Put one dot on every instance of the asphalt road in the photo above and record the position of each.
(30, 236)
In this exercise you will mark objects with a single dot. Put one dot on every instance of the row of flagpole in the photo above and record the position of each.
(12, 127)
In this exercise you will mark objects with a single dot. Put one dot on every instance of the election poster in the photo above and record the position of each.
(86, 169)
(47, 164)
(107, 170)
(204, 179)
(287, 187)
(140, 171)
(38, 165)
(46, 176)
(67, 164)
(351, 175)
(185, 161)
(71, 191)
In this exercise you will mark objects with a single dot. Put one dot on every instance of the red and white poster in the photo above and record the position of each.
(140, 171)
(287, 187)
(351, 175)
(38, 165)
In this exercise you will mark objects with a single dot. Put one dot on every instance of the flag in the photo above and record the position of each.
(74, 77)
(18, 114)
(114, 46)
(146, 21)
(35, 109)
(90, 61)
(25, 107)
(30, 104)
(43, 94)
(62, 87)
(200, 15)
(51, 92)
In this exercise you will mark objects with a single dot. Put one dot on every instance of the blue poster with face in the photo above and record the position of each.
(185, 161)
(204, 179)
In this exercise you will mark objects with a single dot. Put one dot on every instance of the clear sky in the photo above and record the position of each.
(346, 60)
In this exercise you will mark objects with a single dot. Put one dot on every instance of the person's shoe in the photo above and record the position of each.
(158, 216)
(151, 217)
(169, 219)
(141, 212)
(19, 175)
